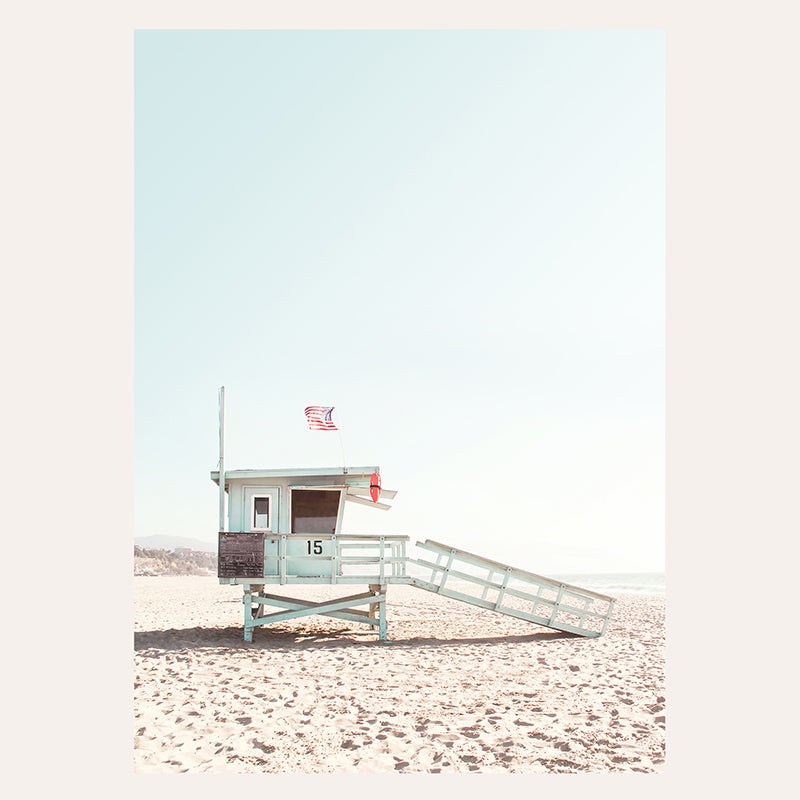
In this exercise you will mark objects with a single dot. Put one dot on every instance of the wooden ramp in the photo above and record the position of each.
(506, 590)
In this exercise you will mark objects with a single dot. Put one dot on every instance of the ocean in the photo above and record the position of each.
(610, 582)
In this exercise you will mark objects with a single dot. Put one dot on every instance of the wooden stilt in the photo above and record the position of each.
(338, 608)
(248, 614)
(379, 589)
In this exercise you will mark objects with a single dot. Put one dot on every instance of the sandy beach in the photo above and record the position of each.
(456, 689)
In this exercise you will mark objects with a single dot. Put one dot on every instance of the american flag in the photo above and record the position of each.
(319, 418)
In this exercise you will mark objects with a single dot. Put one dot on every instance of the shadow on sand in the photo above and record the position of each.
(275, 638)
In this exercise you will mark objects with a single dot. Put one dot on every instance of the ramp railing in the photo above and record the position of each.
(507, 590)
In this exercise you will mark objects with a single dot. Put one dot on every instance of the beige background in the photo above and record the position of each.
(732, 379)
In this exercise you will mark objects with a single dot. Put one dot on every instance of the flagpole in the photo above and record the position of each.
(341, 443)
(222, 459)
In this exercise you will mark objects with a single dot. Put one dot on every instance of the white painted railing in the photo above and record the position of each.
(329, 558)
(508, 590)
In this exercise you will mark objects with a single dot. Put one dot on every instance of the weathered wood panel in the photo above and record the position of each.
(241, 555)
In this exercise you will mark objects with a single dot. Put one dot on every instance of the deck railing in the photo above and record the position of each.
(329, 558)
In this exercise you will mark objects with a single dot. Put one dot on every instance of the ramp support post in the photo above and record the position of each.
(611, 605)
(379, 609)
(520, 594)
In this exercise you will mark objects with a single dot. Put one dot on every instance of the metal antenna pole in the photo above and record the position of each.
(341, 442)
(222, 459)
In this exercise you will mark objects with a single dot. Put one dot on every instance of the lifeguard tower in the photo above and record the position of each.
(284, 527)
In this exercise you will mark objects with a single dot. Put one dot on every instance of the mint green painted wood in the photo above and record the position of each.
(241, 484)
(382, 560)
(382, 628)
(248, 615)
(367, 559)
(339, 608)
(300, 552)
(316, 608)
(282, 601)
(378, 561)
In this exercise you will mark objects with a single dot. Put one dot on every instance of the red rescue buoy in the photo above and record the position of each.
(375, 486)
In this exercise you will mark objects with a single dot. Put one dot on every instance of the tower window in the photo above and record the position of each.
(260, 515)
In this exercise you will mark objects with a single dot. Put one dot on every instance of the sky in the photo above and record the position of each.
(456, 238)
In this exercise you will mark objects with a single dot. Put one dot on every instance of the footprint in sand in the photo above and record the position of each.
(562, 746)
(349, 744)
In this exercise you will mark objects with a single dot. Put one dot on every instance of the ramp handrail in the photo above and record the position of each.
(568, 607)
(480, 561)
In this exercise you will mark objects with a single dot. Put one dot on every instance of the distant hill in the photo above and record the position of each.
(152, 562)
(166, 542)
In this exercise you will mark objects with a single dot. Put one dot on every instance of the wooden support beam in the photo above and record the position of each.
(291, 603)
(352, 498)
(389, 494)
(306, 608)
